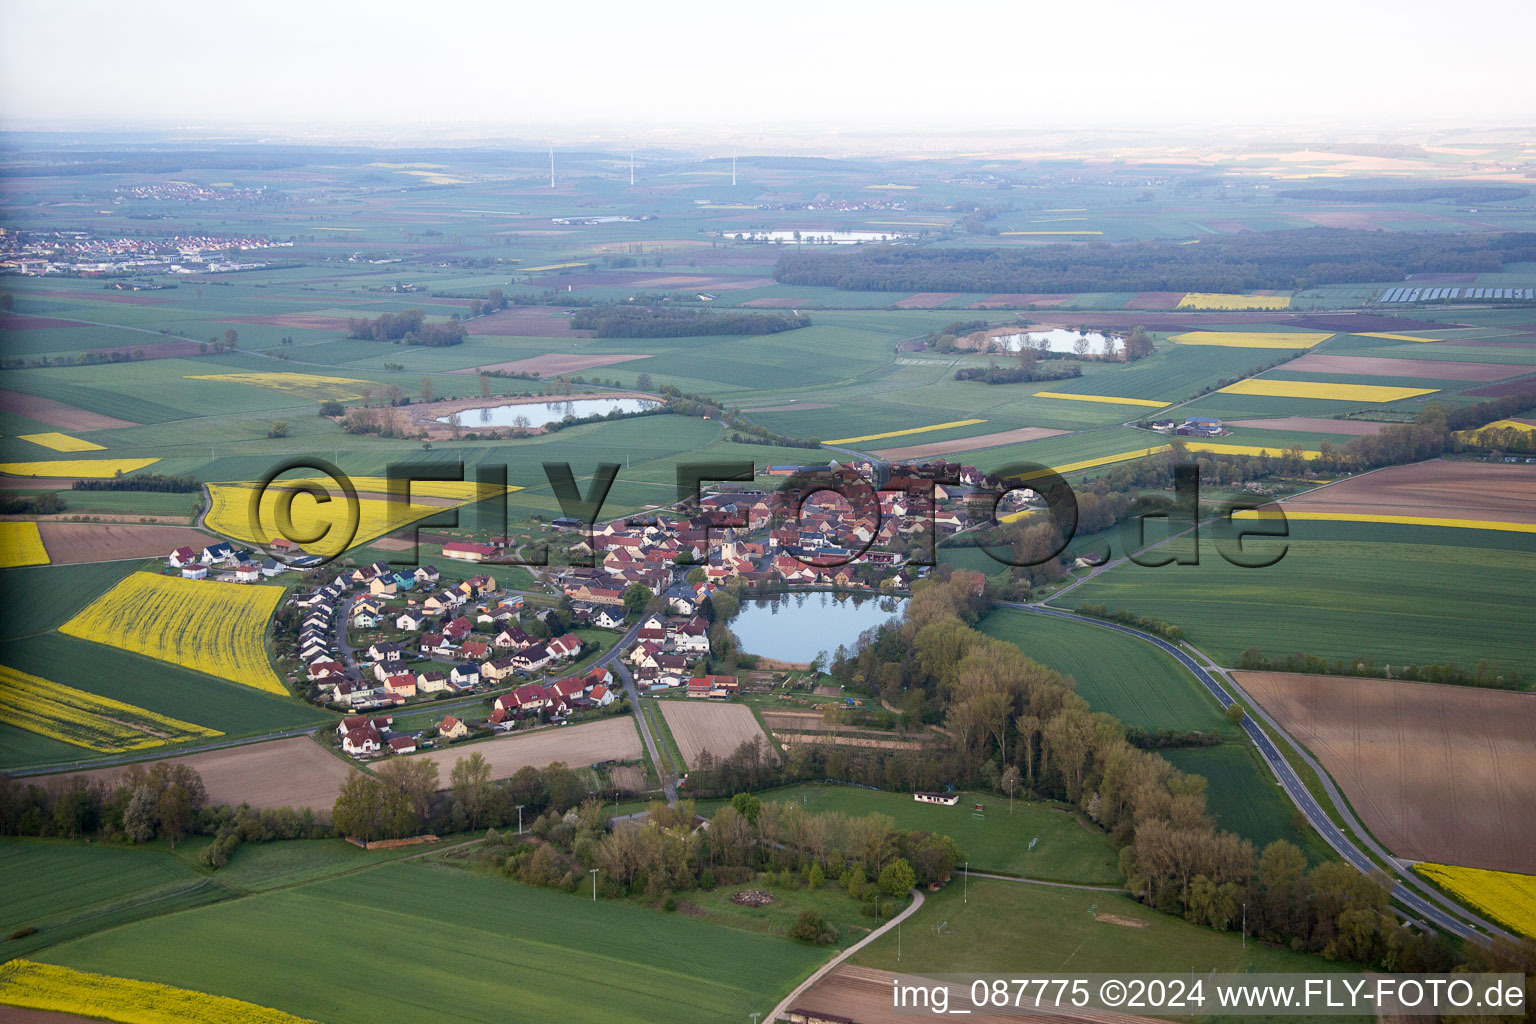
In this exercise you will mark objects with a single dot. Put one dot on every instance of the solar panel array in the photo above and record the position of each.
(1409, 294)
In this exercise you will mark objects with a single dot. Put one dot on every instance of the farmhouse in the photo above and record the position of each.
(467, 552)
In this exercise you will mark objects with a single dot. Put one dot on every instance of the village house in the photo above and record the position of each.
(402, 685)
(181, 556)
(431, 682)
(497, 669)
(465, 674)
(194, 572)
(451, 728)
(402, 744)
(409, 621)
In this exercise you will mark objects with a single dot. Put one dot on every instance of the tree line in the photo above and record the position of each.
(1238, 263)
(409, 326)
(157, 482)
(1486, 673)
(629, 321)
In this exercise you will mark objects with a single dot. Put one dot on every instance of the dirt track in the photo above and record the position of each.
(1441, 488)
(101, 542)
(293, 772)
(965, 444)
(1438, 773)
(612, 739)
(701, 725)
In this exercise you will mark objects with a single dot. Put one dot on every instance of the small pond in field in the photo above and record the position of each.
(797, 627)
(1060, 340)
(539, 414)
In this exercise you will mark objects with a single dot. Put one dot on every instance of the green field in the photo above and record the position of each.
(1445, 596)
(1244, 797)
(1011, 927)
(1069, 849)
(467, 944)
(1116, 673)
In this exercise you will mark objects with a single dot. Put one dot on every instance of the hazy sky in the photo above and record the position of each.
(527, 67)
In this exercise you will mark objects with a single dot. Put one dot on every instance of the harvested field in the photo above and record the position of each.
(526, 322)
(154, 350)
(926, 300)
(705, 725)
(1155, 300)
(46, 410)
(36, 483)
(294, 772)
(864, 994)
(966, 444)
(1513, 387)
(1020, 299)
(1312, 425)
(68, 543)
(776, 303)
(1432, 369)
(557, 362)
(1490, 491)
(1441, 773)
(612, 739)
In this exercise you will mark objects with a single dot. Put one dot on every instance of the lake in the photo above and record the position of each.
(1059, 340)
(797, 627)
(538, 414)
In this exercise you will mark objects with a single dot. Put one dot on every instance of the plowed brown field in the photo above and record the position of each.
(1437, 773)
(612, 739)
(1440, 488)
(707, 725)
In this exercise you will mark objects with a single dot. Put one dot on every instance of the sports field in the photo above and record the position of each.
(1067, 848)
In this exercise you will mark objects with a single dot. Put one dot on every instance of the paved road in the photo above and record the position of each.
(1416, 902)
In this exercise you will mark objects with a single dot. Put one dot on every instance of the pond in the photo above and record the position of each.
(538, 414)
(1060, 340)
(797, 627)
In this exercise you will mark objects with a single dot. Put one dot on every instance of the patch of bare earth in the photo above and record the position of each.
(863, 994)
(926, 300)
(698, 726)
(1432, 369)
(1441, 488)
(1437, 773)
(966, 444)
(612, 739)
(1312, 425)
(293, 772)
(104, 542)
(46, 410)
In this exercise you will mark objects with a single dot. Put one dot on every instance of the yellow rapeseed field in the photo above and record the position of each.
(86, 468)
(1251, 339)
(1220, 300)
(313, 386)
(555, 266)
(217, 628)
(1504, 896)
(1100, 398)
(62, 442)
(1217, 448)
(37, 986)
(230, 513)
(1318, 389)
(86, 720)
(903, 433)
(1395, 337)
(21, 544)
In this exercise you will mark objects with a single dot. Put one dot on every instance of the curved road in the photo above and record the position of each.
(1417, 903)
